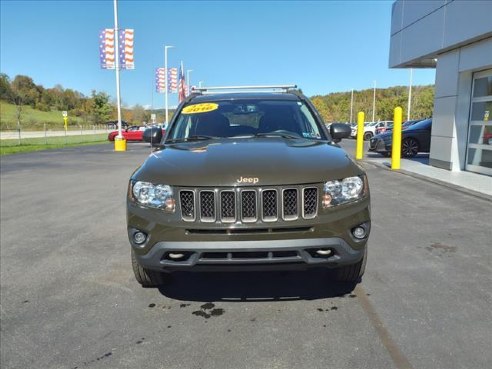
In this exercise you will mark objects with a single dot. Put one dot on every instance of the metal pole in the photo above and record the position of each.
(188, 80)
(409, 105)
(351, 105)
(45, 135)
(166, 81)
(117, 66)
(200, 84)
(374, 103)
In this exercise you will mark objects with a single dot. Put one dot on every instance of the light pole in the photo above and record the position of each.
(409, 95)
(351, 105)
(374, 103)
(188, 79)
(117, 66)
(166, 79)
(200, 84)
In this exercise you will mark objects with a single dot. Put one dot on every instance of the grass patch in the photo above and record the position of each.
(8, 147)
(32, 118)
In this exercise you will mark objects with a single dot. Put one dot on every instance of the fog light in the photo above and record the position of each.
(139, 237)
(359, 232)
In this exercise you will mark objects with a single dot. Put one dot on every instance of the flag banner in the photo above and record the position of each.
(125, 45)
(106, 49)
(182, 84)
(172, 77)
(160, 80)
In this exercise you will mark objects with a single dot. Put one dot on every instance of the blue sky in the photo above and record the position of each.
(323, 46)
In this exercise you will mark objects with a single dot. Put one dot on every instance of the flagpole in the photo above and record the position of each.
(166, 79)
(117, 66)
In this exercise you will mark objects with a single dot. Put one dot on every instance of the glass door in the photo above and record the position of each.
(479, 150)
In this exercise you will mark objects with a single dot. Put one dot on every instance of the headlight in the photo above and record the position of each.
(343, 191)
(154, 196)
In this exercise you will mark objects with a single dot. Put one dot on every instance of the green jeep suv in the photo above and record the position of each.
(248, 181)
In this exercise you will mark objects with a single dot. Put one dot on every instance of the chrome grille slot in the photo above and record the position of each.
(290, 204)
(310, 202)
(228, 206)
(232, 205)
(187, 200)
(248, 206)
(207, 206)
(269, 205)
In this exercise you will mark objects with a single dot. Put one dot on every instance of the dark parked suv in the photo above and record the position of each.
(248, 181)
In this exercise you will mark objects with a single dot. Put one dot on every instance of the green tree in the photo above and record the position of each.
(25, 89)
(101, 108)
(5, 88)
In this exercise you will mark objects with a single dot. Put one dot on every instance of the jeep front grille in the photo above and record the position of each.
(248, 205)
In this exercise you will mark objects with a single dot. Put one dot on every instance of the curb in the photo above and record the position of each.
(452, 186)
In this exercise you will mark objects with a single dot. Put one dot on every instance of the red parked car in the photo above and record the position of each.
(133, 133)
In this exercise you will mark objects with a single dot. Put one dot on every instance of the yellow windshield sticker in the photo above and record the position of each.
(199, 108)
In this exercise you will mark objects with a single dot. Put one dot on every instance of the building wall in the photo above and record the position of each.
(420, 30)
(455, 37)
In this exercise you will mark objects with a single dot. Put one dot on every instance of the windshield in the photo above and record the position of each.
(245, 118)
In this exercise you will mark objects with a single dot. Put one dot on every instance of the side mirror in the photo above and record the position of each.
(339, 131)
(153, 135)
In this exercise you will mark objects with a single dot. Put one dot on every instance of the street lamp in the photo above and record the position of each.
(409, 104)
(374, 103)
(166, 81)
(188, 79)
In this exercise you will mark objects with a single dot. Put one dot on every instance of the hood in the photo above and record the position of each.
(247, 162)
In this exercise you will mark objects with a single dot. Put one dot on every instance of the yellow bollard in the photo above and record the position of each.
(396, 146)
(359, 152)
(119, 144)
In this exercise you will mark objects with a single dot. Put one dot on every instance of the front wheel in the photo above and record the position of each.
(367, 136)
(352, 273)
(146, 277)
(410, 147)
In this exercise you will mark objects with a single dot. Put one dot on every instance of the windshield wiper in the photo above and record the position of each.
(191, 138)
(283, 134)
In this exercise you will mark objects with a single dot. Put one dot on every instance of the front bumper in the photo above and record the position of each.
(250, 255)
(288, 245)
(378, 145)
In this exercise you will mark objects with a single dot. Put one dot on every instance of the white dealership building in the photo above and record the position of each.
(455, 37)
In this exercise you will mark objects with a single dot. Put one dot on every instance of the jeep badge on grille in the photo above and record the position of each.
(248, 180)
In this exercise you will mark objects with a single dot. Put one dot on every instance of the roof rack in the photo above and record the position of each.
(260, 88)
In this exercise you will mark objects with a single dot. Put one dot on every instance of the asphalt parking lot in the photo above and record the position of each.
(69, 299)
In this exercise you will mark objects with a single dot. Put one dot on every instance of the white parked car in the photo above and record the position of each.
(371, 129)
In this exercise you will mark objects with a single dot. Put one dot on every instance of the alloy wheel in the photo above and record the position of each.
(410, 147)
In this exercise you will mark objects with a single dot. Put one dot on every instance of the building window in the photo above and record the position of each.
(479, 151)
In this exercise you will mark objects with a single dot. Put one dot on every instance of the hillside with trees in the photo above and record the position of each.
(30, 105)
(335, 107)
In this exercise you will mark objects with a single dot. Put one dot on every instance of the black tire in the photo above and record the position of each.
(146, 277)
(409, 147)
(352, 273)
(367, 136)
